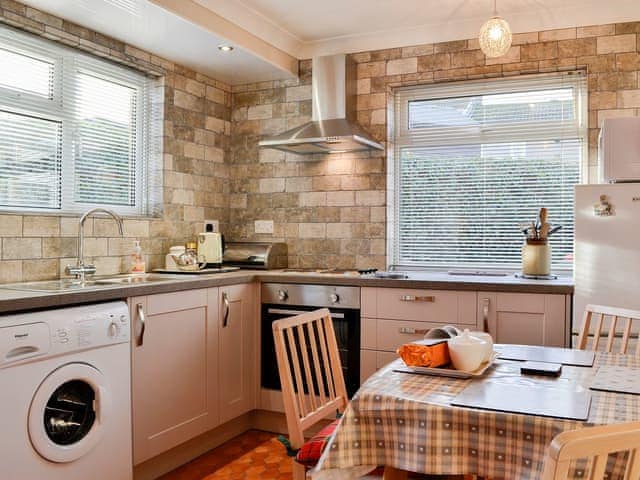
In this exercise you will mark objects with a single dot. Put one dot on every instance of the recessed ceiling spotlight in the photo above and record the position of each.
(225, 48)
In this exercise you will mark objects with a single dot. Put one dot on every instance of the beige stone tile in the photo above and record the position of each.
(616, 44)
(371, 69)
(469, 58)
(298, 184)
(42, 269)
(105, 227)
(55, 247)
(296, 94)
(602, 100)
(340, 165)
(111, 265)
(312, 230)
(215, 94)
(615, 113)
(524, 38)
(269, 185)
(402, 65)
(193, 213)
(69, 226)
(338, 230)
(10, 225)
(378, 214)
(539, 51)
(313, 199)
(36, 226)
(10, 271)
(512, 56)
(19, 248)
(355, 214)
(629, 98)
(596, 30)
(259, 112)
(136, 228)
(355, 182)
(329, 182)
(439, 61)
(340, 199)
(561, 34)
(95, 247)
(371, 197)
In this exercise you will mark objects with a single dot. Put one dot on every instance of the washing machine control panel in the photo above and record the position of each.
(64, 330)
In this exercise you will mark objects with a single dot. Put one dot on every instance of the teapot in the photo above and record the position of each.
(189, 260)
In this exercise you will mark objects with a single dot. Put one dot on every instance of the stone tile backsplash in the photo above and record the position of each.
(332, 209)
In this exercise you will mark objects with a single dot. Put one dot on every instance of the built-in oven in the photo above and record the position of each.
(280, 300)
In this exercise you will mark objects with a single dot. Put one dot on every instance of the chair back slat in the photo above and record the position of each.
(322, 339)
(316, 363)
(308, 356)
(617, 340)
(299, 391)
(304, 352)
(593, 444)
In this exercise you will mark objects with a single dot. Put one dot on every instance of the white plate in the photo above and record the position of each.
(450, 372)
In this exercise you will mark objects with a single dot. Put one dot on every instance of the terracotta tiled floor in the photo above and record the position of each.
(254, 455)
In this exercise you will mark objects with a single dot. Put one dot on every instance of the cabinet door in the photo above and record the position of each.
(238, 346)
(523, 318)
(174, 369)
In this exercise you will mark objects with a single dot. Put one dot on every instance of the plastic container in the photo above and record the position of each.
(169, 262)
(137, 259)
(536, 257)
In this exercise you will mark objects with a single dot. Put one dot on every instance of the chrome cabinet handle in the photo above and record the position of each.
(414, 298)
(225, 318)
(143, 324)
(485, 315)
(413, 331)
(282, 311)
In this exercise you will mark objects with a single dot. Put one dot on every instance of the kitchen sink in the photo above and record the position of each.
(68, 285)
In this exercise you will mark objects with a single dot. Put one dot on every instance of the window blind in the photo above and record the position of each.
(474, 160)
(75, 130)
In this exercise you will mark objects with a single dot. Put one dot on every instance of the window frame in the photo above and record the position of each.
(404, 137)
(68, 64)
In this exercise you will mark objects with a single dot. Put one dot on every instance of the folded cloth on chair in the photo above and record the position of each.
(309, 454)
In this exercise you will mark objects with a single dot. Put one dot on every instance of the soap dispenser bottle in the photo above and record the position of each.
(137, 259)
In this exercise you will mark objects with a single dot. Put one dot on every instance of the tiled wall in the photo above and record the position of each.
(196, 142)
(331, 209)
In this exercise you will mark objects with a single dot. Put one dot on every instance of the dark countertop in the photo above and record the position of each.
(12, 300)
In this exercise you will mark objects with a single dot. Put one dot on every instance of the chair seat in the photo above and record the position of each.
(310, 453)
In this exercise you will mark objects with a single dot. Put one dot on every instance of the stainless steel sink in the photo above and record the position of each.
(131, 279)
(67, 285)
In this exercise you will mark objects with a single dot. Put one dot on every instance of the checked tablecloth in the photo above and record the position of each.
(406, 421)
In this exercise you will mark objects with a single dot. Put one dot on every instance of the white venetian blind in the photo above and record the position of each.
(74, 130)
(474, 160)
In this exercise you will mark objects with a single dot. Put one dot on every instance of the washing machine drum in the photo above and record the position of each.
(68, 413)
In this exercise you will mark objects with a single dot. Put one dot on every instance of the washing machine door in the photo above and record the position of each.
(68, 412)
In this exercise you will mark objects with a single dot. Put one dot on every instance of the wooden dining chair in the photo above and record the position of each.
(618, 317)
(594, 444)
(313, 386)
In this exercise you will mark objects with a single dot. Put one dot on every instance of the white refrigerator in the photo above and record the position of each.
(607, 247)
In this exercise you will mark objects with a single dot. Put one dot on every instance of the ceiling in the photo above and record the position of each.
(270, 35)
(153, 28)
(331, 26)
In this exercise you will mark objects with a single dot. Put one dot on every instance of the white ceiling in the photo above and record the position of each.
(330, 26)
(270, 35)
(155, 29)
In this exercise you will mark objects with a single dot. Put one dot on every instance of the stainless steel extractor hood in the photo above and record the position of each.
(333, 128)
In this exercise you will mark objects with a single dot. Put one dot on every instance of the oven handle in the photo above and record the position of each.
(281, 311)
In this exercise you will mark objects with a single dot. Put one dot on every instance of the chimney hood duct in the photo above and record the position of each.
(333, 128)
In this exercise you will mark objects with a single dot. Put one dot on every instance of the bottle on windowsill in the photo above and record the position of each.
(137, 259)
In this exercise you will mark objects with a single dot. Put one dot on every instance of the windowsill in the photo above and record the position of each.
(76, 215)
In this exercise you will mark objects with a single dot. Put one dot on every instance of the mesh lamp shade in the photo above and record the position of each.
(495, 37)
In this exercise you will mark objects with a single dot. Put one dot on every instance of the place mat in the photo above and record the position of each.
(565, 356)
(617, 379)
(531, 400)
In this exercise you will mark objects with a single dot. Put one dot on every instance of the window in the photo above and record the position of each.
(74, 130)
(474, 160)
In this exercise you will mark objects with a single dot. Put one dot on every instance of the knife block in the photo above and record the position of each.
(536, 257)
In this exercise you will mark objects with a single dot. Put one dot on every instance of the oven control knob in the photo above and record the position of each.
(283, 295)
(334, 297)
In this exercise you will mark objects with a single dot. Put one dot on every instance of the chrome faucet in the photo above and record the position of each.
(80, 270)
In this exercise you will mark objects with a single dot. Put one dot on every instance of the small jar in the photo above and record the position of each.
(169, 262)
(536, 257)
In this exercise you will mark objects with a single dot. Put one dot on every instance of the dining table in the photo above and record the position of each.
(406, 422)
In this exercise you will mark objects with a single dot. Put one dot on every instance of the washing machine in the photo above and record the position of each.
(65, 392)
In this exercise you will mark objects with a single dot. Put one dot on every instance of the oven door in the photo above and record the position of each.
(346, 323)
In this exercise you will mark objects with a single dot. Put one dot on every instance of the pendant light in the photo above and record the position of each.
(495, 35)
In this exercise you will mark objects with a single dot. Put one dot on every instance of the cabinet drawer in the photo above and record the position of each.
(391, 334)
(436, 306)
(175, 301)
